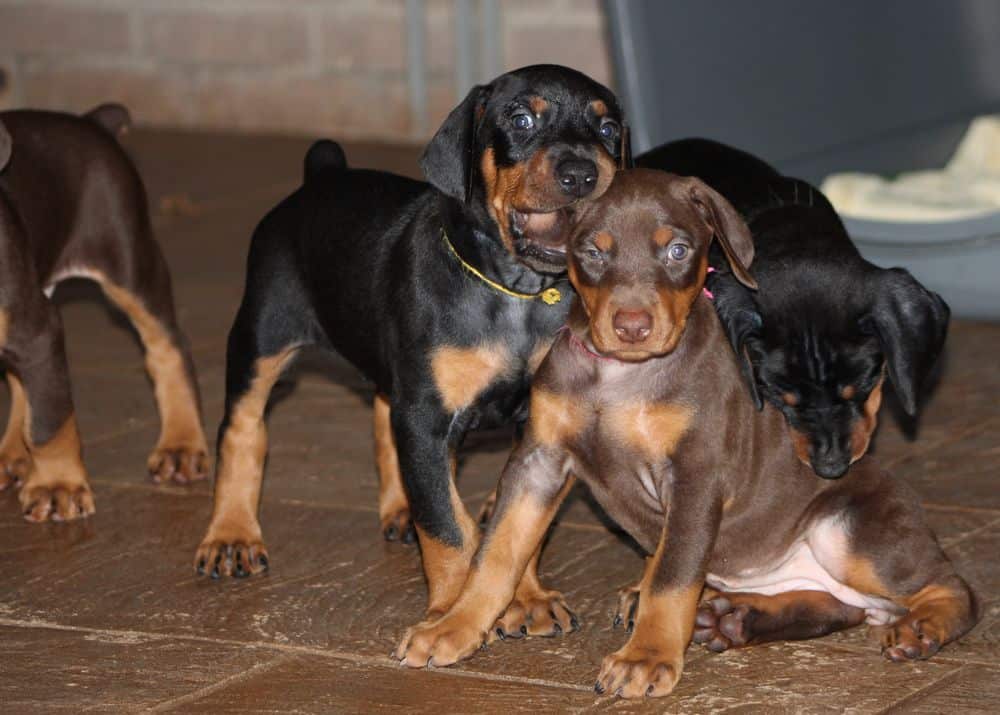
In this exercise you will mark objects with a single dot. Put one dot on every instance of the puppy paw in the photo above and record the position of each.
(181, 464)
(441, 642)
(637, 671)
(14, 469)
(720, 624)
(544, 613)
(909, 638)
(397, 525)
(628, 605)
(58, 501)
(238, 552)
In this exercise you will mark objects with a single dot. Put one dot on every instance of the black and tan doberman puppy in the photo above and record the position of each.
(446, 295)
(72, 205)
(641, 398)
(826, 325)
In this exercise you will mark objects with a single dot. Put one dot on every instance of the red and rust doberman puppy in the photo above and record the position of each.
(642, 398)
(72, 205)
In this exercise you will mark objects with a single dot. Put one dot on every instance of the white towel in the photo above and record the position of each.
(967, 187)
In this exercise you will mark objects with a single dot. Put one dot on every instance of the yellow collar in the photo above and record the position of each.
(549, 296)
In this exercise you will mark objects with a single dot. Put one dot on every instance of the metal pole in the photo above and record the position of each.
(465, 57)
(490, 40)
(416, 57)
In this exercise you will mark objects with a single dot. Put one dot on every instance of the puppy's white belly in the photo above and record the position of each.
(801, 571)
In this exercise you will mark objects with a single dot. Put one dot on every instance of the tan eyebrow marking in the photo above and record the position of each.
(538, 105)
(663, 235)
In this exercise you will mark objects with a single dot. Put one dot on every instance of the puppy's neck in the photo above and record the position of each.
(476, 240)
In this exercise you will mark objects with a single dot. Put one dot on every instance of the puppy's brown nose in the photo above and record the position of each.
(632, 326)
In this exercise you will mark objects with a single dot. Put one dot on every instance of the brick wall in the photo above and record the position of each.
(332, 67)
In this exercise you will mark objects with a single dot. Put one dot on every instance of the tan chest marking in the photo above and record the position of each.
(461, 374)
(538, 355)
(555, 418)
(653, 428)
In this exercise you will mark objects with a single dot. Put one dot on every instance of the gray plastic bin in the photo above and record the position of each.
(816, 88)
(958, 259)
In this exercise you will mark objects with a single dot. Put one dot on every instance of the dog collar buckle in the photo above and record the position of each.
(550, 296)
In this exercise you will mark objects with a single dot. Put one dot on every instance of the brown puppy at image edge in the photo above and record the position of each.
(72, 205)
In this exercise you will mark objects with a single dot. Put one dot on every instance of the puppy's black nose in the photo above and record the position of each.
(577, 177)
(829, 460)
(632, 326)
(831, 469)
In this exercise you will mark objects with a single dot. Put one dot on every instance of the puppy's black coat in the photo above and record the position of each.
(826, 324)
(445, 295)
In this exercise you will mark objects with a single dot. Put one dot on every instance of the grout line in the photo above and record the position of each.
(183, 491)
(960, 508)
(943, 659)
(290, 650)
(947, 543)
(920, 693)
(892, 465)
(138, 364)
(219, 685)
(140, 424)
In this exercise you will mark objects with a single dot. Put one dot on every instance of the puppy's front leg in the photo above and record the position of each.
(424, 435)
(650, 663)
(533, 484)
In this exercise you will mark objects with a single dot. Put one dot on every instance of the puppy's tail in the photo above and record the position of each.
(324, 155)
(113, 118)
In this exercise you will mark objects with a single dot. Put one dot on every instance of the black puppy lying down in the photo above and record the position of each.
(826, 325)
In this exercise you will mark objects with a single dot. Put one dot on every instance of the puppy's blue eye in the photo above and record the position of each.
(678, 252)
(523, 121)
(609, 129)
(594, 253)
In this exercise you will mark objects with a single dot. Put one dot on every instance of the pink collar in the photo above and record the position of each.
(583, 347)
(705, 291)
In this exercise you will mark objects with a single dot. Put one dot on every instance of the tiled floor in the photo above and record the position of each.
(107, 614)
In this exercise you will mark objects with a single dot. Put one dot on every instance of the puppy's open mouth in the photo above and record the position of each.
(540, 237)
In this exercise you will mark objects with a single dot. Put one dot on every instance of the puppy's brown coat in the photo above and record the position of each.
(642, 399)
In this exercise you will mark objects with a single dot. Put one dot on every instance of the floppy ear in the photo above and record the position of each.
(5, 146)
(625, 151)
(730, 229)
(911, 323)
(737, 312)
(447, 162)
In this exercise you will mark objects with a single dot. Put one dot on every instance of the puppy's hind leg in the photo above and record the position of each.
(393, 506)
(139, 285)
(55, 486)
(733, 620)
(233, 544)
(892, 553)
(15, 460)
